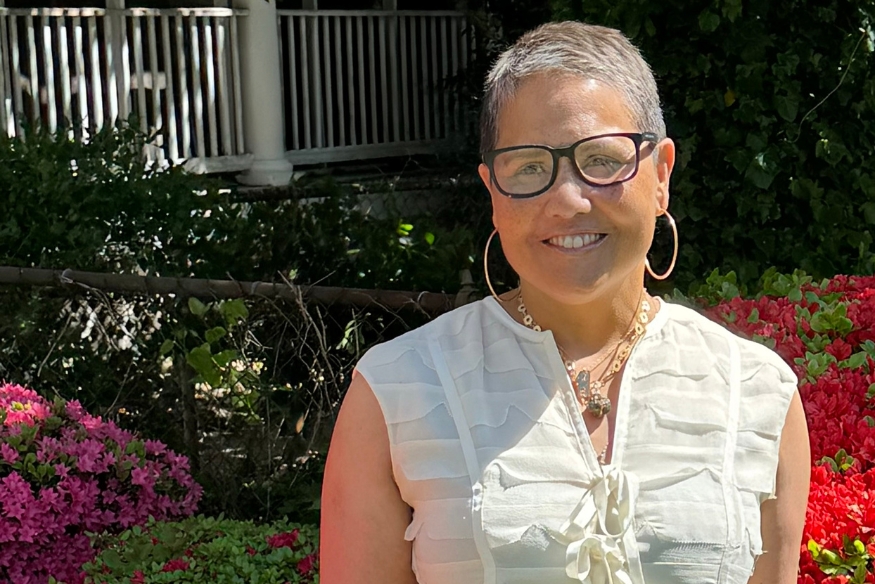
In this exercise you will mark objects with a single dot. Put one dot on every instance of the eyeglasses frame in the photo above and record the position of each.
(568, 152)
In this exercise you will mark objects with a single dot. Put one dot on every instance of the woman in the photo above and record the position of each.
(575, 429)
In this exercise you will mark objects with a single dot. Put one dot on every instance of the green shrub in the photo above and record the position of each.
(207, 550)
(95, 205)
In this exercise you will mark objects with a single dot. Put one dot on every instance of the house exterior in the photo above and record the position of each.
(247, 87)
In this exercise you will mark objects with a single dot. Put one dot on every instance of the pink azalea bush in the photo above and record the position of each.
(65, 473)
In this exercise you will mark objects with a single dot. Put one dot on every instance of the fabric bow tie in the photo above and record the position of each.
(596, 559)
(601, 545)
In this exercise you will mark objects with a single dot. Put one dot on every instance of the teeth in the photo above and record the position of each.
(575, 241)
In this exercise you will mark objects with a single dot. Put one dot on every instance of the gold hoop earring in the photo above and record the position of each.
(486, 266)
(674, 256)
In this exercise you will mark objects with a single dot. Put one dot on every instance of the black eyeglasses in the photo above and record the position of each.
(527, 171)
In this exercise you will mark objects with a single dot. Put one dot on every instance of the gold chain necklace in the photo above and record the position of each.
(589, 391)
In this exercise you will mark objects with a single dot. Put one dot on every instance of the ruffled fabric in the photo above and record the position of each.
(490, 452)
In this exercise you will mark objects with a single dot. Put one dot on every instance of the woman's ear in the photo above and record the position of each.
(665, 157)
(483, 171)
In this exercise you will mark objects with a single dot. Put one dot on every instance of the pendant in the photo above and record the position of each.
(599, 406)
(582, 382)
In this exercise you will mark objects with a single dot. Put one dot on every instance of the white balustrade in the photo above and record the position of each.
(350, 84)
(362, 84)
(82, 69)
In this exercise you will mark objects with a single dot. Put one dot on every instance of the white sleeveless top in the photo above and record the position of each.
(491, 452)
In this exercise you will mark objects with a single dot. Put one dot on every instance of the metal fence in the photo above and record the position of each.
(360, 84)
(83, 69)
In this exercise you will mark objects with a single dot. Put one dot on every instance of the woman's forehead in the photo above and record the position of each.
(560, 110)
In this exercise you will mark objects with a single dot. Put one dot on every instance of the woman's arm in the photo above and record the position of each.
(363, 515)
(783, 518)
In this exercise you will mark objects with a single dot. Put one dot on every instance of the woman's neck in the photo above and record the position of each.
(585, 328)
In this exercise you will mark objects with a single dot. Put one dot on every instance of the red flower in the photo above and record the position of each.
(839, 349)
(174, 565)
(283, 539)
(307, 565)
(138, 577)
(250, 550)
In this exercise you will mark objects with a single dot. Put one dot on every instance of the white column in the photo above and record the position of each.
(118, 42)
(261, 77)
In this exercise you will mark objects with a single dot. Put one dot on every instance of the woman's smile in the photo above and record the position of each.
(576, 242)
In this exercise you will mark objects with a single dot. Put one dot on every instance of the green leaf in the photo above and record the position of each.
(215, 333)
(761, 173)
(708, 21)
(429, 238)
(112, 560)
(166, 347)
(234, 311)
(201, 360)
(754, 316)
(197, 307)
(787, 107)
(732, 9)
(223, 358)
(855, 361)
(830, 556)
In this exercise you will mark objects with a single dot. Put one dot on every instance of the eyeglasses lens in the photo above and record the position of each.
(602, 161)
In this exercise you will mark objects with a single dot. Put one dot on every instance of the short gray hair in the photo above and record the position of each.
(584, 50)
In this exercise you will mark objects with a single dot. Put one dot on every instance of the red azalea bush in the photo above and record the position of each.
(64, 473)
(826, 332)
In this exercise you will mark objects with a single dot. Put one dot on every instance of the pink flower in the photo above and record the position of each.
(8, 454)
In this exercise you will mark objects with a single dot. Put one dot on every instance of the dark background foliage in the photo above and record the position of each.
(771, 105)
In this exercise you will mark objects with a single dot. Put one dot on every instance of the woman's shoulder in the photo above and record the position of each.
(411, 349)
(687, 326)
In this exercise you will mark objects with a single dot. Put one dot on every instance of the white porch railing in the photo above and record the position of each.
(355, 84)
(370, 83)
(86, 68)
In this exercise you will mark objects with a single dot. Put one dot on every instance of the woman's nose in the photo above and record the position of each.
(569, 195)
